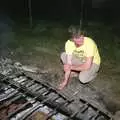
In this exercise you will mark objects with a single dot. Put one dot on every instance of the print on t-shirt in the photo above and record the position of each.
(80, 55)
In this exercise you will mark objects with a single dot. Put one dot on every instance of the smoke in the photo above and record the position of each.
(6, 33)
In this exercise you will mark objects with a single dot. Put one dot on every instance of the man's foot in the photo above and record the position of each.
(73, 74)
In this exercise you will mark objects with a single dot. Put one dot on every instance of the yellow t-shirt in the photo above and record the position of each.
(88, 49)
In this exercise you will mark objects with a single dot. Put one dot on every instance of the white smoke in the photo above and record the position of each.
(6, 33)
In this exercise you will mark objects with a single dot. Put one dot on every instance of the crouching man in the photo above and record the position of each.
(81, 55)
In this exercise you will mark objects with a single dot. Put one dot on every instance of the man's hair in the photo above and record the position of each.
(75, 31)
(77, 35)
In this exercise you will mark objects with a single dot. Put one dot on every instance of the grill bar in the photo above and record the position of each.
(7, 103)
(30, 111)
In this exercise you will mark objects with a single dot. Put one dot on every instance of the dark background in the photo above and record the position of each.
(69, 10)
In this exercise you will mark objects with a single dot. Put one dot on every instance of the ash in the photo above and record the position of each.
(6, 66)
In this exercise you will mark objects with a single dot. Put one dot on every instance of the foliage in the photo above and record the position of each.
(50, 37)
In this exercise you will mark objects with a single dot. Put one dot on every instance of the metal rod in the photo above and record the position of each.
(9, 95)
(33, 109)
(81, 14)
(30, 13)
(84, 108)
(20, 108)
(10, 101)
(55, 111)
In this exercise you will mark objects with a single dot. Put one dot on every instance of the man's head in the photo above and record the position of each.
(78, 39)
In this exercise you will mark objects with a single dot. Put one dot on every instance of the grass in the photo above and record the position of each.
(48, 37)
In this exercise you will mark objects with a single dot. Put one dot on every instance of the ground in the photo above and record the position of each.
(44, 52)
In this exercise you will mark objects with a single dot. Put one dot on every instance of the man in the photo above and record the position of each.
(81, 55)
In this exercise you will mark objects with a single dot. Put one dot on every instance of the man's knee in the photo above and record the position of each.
(85, 78)
(63, 57)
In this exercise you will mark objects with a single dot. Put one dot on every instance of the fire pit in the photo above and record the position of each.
(25, 98)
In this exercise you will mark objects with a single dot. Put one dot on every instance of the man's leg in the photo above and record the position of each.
(67, 73)
(89, 75)
(63, 58)
(75, 61)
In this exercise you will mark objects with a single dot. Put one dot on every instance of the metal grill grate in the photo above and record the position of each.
(37, 94)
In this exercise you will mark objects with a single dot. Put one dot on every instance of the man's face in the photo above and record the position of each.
(79, 40)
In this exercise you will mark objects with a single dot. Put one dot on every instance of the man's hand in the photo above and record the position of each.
(67, 70)
(62, 85)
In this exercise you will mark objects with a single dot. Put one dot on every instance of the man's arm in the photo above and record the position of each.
(67, 68)
(67, 71)
(84, 66)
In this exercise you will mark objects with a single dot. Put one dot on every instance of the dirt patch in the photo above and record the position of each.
(105, 88)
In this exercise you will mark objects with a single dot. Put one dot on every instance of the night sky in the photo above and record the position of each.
(63, 9)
